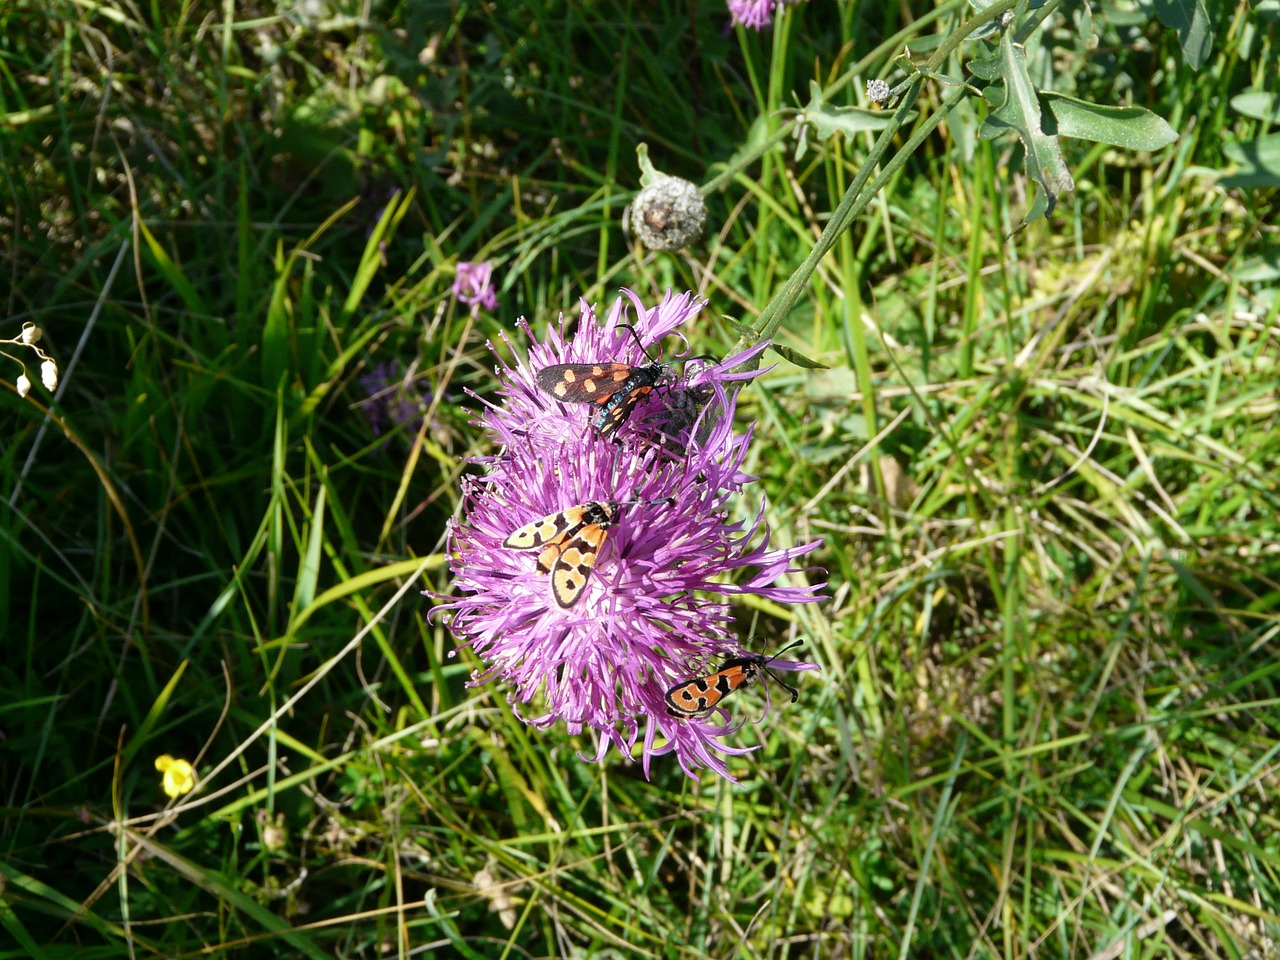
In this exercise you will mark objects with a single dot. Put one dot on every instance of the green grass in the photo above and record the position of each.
(1044, 464)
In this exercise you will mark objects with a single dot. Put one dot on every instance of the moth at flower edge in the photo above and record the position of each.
(614, 387)
(568, 543)
(696, 699)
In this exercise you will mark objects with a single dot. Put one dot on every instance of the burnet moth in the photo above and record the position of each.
(615, 388)
(568, 543)
(696, 699)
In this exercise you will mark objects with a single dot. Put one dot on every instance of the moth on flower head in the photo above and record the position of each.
(615, 388)
(568, 543)
(698, 698)
(660, 593)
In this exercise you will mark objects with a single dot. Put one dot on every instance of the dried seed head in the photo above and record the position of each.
(668, 214)
(23, 385)
(49, 375)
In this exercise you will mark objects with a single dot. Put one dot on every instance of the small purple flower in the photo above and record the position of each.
(473, 286)
(393, 401)
(647, 618)
(756, 14)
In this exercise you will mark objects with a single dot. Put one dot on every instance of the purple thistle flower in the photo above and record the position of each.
(393, 401)
(472, 285)
(647, 618)
(756, 14)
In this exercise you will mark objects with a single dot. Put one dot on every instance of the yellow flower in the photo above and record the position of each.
(179, 778)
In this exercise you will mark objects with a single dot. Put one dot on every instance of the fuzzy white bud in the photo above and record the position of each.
(24, 385)
(31, 334)
(49, 375)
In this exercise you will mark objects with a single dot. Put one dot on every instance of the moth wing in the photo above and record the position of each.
(574, 562)
(688, 700)
(539, 533)
(583, 382)
(551, 553)
(615, 415)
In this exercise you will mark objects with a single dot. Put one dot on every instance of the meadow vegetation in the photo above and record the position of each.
(1026, 394)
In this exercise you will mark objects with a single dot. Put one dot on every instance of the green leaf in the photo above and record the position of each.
(1020, 112)
(173, 273)
(275, 330)
(1258, 162)
(796, 357)
(1134, 128)
(828, 120)
(985, 68)
(1191, 20)
(1259, 105)
(1264, 268)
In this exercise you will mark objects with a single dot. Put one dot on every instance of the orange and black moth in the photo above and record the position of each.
(696, 699)
(615, 388)
(568, 543)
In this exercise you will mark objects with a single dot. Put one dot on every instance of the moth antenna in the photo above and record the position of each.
(635, 336)
(795, 694)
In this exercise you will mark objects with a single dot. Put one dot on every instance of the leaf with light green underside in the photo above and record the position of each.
(1191, 20)
(1020, 112)
(1257, 162)
(1259, 105)
(827, 120)
(1134, 128)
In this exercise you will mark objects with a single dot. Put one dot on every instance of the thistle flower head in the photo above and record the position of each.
(659, 575)
(756, 14)
(473, 285)
(394, 401)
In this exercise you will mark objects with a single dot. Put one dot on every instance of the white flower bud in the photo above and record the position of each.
(24, 385)
(31, 333)
(49, 374)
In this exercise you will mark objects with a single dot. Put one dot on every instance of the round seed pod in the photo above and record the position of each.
(668, 214)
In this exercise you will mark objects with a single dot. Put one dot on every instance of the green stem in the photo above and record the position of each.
(863, 189)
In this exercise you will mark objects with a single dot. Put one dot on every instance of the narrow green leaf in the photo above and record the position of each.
(226, 891)
(796, 357)
(173, 273)
(371, 257)
(362, 581)
(10, 922)
(141, 739)
(275, 331)
(1134, 128)
(309, 570)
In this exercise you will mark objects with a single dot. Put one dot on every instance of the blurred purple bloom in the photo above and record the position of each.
(473, 286)
(756, 14)
(648, 617)
(393, 401)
